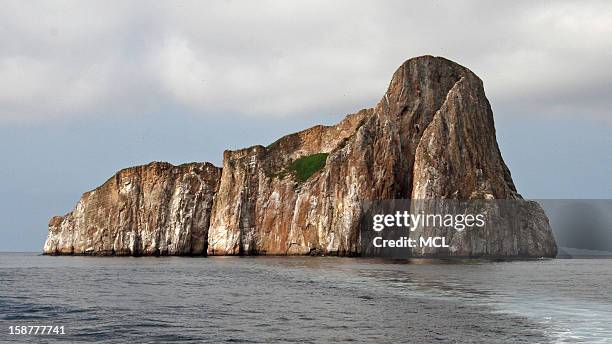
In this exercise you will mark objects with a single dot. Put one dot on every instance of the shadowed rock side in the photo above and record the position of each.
(157, 209)
(430, 136)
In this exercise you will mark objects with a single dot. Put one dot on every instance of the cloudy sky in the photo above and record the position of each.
(87, 88)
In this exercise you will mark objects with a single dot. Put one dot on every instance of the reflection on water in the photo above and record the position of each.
(312, 299)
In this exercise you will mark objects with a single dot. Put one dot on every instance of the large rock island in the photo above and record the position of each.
(430, 136)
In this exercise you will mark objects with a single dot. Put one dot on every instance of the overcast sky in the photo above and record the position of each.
(88, 87)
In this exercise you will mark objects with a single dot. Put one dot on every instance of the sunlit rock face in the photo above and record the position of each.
(156, 209)
(430, 136)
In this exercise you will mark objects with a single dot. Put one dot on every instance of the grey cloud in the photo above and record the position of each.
(280, 59)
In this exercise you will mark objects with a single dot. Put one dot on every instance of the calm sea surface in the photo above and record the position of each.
(305, 299)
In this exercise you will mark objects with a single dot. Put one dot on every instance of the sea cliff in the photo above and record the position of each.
(431, 136)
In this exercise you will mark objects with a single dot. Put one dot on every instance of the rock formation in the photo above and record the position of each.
(430, 136)
(156, 209)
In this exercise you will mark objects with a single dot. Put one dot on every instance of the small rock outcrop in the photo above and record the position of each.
(430, 136)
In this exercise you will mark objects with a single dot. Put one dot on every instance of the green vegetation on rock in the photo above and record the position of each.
(306, 166)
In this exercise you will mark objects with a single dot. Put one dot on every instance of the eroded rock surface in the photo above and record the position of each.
(156, 209)
(430, 136)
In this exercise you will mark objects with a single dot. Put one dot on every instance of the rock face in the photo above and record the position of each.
(157, 209)
(430, 136)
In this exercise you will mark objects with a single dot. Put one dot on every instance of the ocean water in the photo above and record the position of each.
(305, 299)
